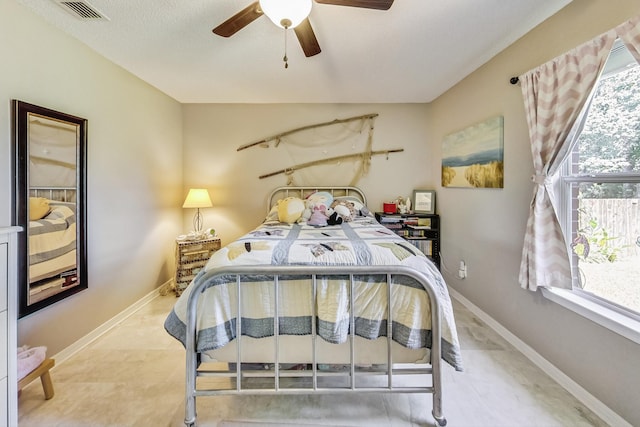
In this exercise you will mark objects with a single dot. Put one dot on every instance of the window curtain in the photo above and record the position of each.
(556, 97)
(629, 32)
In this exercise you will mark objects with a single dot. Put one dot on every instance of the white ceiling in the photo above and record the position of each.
(413, 52)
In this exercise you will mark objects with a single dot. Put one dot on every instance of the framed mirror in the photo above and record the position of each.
(49, 195)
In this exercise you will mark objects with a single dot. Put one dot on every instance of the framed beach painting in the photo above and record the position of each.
(474, 156)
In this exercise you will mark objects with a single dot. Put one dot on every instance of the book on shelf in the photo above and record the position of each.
(424, 222)
(393, 226)
(419, 227)
(390, 219)
(425, 246)
(411, 220)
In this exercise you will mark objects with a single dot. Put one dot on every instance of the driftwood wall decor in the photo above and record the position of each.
(277, 138)
(362, 158)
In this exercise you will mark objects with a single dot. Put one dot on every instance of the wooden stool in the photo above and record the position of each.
(41, 371)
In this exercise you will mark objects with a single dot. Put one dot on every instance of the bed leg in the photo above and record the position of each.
(437, 409)
(190, 411)
(437, 390)
(190, 395)
(441, 420)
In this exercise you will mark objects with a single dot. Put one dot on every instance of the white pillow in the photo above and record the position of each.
(273, 214)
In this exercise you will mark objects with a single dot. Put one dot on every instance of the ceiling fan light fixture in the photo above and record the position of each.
(286, 13)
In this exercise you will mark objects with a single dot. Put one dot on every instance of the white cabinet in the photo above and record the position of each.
(8, 327)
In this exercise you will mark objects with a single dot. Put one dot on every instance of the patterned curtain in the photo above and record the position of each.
(555, 96)
(629, 32)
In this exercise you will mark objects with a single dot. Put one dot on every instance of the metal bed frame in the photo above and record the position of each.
(58, 194)
(241, 375)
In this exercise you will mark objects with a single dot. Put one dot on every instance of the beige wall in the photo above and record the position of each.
(214, 132)
(134, 169)
(486, 227)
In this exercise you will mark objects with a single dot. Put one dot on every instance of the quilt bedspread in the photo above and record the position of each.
(52, 236)
(359, 242)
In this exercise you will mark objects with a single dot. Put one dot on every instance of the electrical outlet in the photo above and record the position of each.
(462, 271)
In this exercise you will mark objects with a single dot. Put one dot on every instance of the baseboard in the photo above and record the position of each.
(599, 408)
(69, 351)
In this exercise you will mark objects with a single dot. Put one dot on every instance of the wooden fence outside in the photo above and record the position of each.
(620, 218)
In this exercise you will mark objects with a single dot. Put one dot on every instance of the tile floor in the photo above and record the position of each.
(133, 376)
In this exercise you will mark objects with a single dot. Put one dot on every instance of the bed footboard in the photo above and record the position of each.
(312, 374)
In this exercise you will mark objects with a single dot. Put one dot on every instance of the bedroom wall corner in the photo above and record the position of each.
(134, 169)
(485, 227)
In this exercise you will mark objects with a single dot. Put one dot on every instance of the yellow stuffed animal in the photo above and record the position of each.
(290, 209)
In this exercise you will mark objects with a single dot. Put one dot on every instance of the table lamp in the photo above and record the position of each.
(197, 198)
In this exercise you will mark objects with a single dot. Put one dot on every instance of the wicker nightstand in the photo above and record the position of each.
(191, 257)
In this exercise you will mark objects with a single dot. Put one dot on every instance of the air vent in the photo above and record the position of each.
(82, 10)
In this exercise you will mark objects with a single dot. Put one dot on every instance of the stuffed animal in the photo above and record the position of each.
(343, 210)
(290, 209)
(314, 200)
(334, 218)
(319, 216)
(323, 197)
(306, 214)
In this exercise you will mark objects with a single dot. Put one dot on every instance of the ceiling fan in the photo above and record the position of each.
(287, 18)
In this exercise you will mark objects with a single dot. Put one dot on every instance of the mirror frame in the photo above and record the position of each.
(20, 147)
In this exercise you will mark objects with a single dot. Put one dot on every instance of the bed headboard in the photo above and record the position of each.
(303, 192)
(58, 194)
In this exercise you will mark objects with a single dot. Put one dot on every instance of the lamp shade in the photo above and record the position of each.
(197, 198)
(286, 13)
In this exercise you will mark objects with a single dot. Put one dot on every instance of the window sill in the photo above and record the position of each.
(598, 313)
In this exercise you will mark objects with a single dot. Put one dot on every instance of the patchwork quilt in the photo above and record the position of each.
(362, 242)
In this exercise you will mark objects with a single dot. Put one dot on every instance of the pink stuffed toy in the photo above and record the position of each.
(318, 216)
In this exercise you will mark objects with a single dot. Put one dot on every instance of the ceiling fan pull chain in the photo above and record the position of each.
(284, 58)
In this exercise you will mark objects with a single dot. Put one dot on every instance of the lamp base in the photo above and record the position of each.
(197, 222)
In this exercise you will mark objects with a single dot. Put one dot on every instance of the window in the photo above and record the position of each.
(600, 191)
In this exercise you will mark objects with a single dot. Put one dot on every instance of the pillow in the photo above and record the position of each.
(38, 208)
(273, 214)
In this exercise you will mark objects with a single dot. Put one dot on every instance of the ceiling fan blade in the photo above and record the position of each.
(368, 4)
(307, 38)
(240, 20)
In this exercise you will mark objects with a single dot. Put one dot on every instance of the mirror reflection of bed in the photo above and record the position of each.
(52, 242)
(52, 207)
